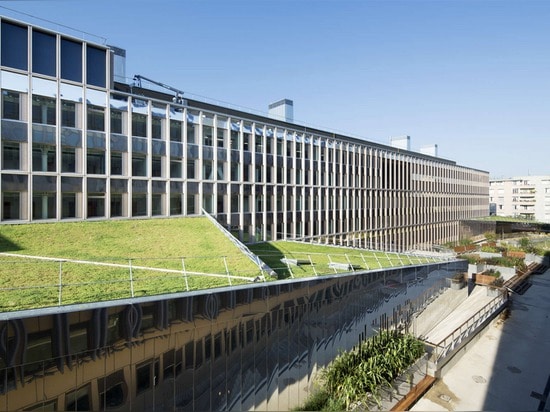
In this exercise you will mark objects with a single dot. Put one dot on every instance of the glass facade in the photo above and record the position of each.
(181, 159)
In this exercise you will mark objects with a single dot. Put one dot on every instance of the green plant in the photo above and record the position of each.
(359, 374)
(525, 243)
(465, 242)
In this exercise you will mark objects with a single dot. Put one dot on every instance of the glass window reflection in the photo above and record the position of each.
(71, 60)
(14, 46)
(43, 53)
(95, 66)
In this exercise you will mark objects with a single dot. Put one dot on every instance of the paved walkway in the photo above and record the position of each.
(508, 364)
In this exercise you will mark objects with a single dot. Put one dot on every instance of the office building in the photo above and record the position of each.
(78, 142)
(526, 197)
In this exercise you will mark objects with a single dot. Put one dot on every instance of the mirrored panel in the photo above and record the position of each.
(44, 87)
(96, 97)
(17, 82)
(70, 92)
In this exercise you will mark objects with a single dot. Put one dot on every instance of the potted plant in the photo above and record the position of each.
(457, 281)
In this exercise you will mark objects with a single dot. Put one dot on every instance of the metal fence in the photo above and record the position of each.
(470, 326)
(40, 282)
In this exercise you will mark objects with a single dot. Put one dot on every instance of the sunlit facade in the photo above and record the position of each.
(77, 145)
(526, 197)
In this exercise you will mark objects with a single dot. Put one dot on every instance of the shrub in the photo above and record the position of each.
(360, 373)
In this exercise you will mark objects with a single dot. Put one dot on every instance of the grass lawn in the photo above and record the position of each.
(320, 256)
(154, 248)
(105, 260)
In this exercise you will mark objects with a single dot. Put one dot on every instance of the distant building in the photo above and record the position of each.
(527, 197)
(78, 143)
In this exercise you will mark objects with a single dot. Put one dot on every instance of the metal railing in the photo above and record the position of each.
(470, 326)
(41, 281)
(241, 246)
(331, 263)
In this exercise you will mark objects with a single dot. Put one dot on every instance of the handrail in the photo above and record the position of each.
(452, 340)
(241, 246)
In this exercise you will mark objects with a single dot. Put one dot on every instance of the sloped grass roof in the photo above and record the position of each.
(94, 261)
(316, 259)
(61, 263)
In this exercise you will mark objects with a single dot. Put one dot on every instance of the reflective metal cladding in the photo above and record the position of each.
(251, 347)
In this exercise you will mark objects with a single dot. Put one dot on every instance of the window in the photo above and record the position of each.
(139, 204)
(95, 162)
(71, 60)
(207, 170)
(95, 66)
(175, 130)
(234, 140)
(11, 156)
(208, 202)
(156, 204)
(259, 143)
(14, 46)
(96, 204)
(11, 105)
(43, 158)
(68, 160)
(176, 204)
(68, 114)
(234, 204)
(235, 172)
(156, 166)
(43, 110)
(43, 205)
(190, 133)
(175, 167)
(190, 169)
(116, 121)
(139, 164)
(156, 128)
(116, 163)
(139, 125)
(96, 118)
(221, 133)
(221, 171)
(11, 205)
(190, 204)
(116, 205)
(68, 205)
(208, 135)
(43, 53)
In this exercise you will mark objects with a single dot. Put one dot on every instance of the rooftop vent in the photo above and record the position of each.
(430, 150)
(401, 142)
(282, 110)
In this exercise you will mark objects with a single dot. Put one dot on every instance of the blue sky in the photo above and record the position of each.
(471, 76)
